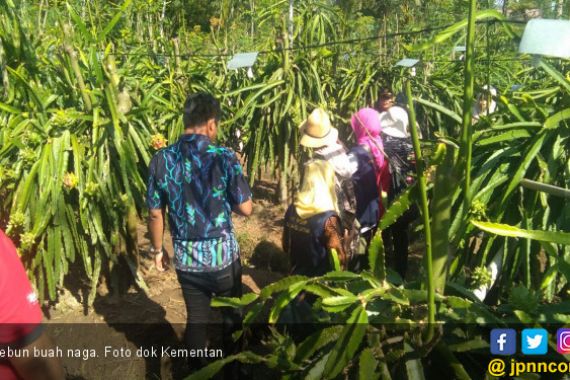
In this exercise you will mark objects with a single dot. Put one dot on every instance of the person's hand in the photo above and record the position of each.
(161, 261)
(241, 159)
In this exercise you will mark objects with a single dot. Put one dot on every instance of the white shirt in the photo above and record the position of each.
(337, 157)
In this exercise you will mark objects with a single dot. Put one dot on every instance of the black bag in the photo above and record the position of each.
(400, 154)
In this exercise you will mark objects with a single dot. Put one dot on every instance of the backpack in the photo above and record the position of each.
(346, 201)
(399, 152)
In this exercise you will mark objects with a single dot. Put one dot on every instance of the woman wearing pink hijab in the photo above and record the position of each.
(366, 126)
(371, 178)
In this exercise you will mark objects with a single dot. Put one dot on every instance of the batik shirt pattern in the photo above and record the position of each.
(200, 183)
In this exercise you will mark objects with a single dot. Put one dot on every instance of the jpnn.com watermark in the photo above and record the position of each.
(498, 367)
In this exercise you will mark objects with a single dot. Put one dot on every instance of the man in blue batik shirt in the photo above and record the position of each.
(201, 184)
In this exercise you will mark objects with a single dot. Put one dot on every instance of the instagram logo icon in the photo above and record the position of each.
(563, 341)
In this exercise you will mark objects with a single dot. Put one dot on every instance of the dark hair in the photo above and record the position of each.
(385, 93)
(199, 108)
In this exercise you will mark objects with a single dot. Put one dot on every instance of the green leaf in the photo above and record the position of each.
(283, 300)
(398, 207)
(555, 74)
(397, 296)
(440, 108)
(334, 259)
(554, 120)
(320, 290)
(458, 302)
(212, 369)
(252, 99)
(377, 257)
(370, 294)
(516, 125)
(143, 151)
(549, 277)
(282, 284)
(113, 21)
(445, 185)
(418, 296)
(340, 300)
(524, 165)
(27, 84)
(234, 301)
(49, 257)
(561, 308)
(367, 366)
(524, 317)
(94, 280)
(347, 344)
(459, 26)
(340, 276)
(245, 89)
(10, 109)
(317, 369)
(514, 110)
(317, 341)
(414, 367)
(470, 345)
(564, 268)
(253, 313)
(85, 35)
(557, 237)
(372, 280)
(505, 136)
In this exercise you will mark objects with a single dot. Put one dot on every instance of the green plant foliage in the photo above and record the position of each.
(377, 257)
(347, 344)
(505, 230)
(524, 299)
(90, 90)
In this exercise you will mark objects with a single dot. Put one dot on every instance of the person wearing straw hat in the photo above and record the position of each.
(314, 222)
(318, 134)
(317, 131)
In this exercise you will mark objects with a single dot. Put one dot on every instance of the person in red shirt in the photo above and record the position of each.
(20, 323)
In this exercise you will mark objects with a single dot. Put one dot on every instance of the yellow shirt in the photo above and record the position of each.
(317, 193)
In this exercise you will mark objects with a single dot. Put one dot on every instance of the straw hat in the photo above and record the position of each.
(317, 130)
(394, 122)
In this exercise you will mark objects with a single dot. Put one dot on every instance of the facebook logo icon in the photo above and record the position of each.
(503, 341)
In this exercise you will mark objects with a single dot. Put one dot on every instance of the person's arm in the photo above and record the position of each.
(244, 209)
(238, 191)
(334, 239)
(156, 231)
(344, 164)
(157, 205)
(38, 368)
